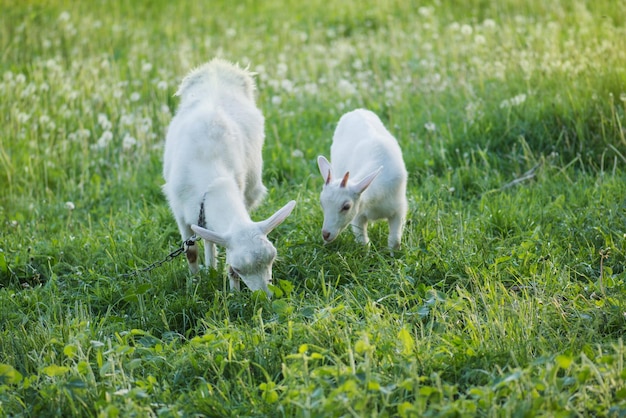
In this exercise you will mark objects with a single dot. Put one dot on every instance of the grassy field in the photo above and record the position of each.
(508, 297)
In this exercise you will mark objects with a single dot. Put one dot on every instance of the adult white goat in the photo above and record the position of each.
(363, 149)
(212, 168)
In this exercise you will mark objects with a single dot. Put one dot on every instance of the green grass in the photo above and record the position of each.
(507, 299)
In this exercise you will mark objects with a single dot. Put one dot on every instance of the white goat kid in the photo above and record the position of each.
(212, 168)
(363, 149)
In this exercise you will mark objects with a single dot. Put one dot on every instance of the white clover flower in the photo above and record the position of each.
(135, 97)
(430, 126)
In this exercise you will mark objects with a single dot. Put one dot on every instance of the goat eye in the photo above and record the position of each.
(346, 207)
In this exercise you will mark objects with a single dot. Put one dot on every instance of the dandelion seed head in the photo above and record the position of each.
(70, 206)
(281, 69)
(287, 85)
(128, 142)
(22, 117)
(104, 122)
(430, 126)
(345, 87)
(489, 23)
(134, 97)
(103, 141)
(466, 29)
(425, 11)
(311, 88)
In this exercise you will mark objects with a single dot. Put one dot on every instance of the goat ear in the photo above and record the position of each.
(277, 218)
(366, 181)
(325, 169)
(210, 235)
(344, 180)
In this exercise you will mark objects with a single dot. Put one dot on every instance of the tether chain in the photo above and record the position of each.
(182, 249)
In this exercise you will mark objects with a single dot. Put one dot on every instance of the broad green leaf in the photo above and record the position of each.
(8, 375)
(54, 370)
(404, 409)
(564, 361)
(70, 350)
(3, 263)
(406, 342)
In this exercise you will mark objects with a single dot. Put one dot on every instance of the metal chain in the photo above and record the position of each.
(182, 249)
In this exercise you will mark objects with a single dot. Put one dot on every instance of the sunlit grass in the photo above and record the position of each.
(507, 297)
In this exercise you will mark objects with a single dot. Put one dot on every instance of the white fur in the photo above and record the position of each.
(365, 149)
(213, 157)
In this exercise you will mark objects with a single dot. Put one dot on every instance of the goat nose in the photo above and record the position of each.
(325, 235)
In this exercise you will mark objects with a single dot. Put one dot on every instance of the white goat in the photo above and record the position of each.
(212, 168)
(363, 149)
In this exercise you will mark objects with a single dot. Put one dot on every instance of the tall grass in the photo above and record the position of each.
(507, 298)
